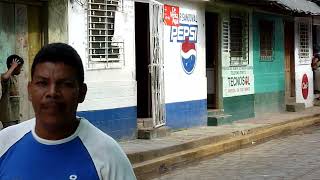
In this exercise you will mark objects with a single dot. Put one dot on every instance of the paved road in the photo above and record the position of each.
(292, 157)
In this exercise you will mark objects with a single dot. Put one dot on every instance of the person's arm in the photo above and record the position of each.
(0, 95)
(15, 63)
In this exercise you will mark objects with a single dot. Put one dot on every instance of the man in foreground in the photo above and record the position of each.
(57, 144)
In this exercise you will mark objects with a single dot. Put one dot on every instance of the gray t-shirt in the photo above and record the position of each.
(0, 90)
(10, 99)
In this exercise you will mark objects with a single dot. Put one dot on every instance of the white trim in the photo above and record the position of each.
(10, 135)
(109, 159)
(60, 141)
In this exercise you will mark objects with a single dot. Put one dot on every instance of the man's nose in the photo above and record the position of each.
(53, 90)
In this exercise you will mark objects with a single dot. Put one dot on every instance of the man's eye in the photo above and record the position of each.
(68, 84)
(41, 83)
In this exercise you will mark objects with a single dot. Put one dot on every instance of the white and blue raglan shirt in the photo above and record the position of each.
(88, 154)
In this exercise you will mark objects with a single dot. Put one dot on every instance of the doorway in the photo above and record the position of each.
(212, 44)
(142, 39)
(23, 28)
(289, 59)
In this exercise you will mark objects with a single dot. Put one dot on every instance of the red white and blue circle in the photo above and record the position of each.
(188, 56)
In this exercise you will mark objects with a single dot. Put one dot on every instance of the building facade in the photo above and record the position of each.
(168, 61)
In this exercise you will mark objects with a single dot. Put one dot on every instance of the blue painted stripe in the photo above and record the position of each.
(119, 123)
(186, 114)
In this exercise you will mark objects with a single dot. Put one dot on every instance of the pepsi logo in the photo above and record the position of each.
(188, 56)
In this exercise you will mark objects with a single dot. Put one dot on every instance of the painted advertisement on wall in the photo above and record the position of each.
(304, 87)
(184, 52)
(184, 33)
(238, 81)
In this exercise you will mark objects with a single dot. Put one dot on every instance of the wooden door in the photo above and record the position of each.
(21, 32)
(37, 25)
(289, 59)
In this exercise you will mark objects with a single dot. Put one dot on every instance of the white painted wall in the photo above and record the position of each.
(303, 68)
(180, 86)
(114, 88)
(107, 88)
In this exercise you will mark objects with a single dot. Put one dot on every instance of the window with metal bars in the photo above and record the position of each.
(101, 22)
(304, 52)
(239, 39)
(266, 28)
(225, 36)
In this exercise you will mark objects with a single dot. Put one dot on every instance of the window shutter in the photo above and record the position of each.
(225, 36)
(239, 39)
(304, 52)
(101, 28)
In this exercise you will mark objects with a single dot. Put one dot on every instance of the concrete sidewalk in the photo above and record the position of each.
(151, 158)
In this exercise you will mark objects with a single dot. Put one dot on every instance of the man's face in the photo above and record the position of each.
(55, 93)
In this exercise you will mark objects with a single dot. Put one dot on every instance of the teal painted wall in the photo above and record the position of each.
(269, 76)
(239, 107)
(269, 102)
(7, 35)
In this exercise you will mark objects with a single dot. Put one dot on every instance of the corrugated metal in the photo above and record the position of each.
(296, 6)
(300, 6)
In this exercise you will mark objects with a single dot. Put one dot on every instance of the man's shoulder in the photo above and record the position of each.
(95, 140)
(106, 153)
(10, 135)
(92, 134)
(20, 128)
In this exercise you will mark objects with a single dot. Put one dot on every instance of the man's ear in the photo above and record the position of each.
(29, 91)
(82, 93)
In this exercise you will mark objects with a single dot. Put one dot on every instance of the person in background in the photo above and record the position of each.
(0, 90)
(57, 144)
(315, 64)
(9, 101)
(1, 126)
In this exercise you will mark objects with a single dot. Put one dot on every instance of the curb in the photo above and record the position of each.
(153, 163)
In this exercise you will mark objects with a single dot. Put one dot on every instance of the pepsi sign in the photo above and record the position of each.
(183, 31)
(188, 56)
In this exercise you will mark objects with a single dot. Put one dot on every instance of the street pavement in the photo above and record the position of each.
(294, 157)
(194, 134)
(155, 157)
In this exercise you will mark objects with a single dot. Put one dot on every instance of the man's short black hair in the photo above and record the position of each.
(11, 58)
(60, 52)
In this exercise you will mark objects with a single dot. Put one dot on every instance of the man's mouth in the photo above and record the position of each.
(52, 106)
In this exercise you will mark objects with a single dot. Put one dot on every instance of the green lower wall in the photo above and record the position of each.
(269, 102)
(239, 107)
(243, 107)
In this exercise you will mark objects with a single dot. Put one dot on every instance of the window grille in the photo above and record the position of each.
(266, 40)
(225, 34)
(239, 39)
(304, 52)
(101, 23)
